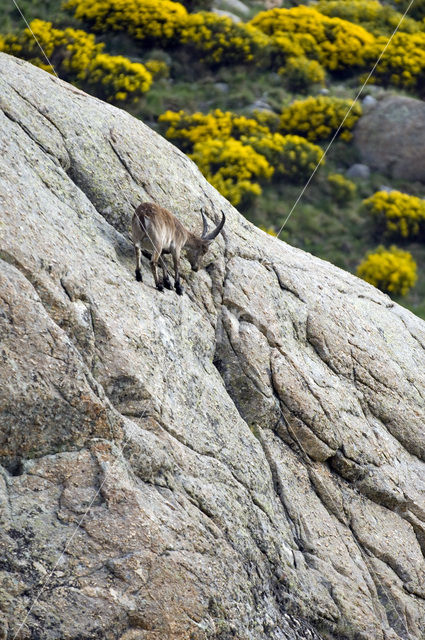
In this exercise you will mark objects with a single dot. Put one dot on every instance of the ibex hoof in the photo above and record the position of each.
(160, 287)
(138, 275)
(179, 289)
(167, 284)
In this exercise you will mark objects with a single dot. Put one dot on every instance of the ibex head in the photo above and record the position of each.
(197, 247)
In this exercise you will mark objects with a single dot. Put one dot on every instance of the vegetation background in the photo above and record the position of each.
(254, 92)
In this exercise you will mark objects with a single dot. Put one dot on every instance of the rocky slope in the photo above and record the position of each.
(245, 461)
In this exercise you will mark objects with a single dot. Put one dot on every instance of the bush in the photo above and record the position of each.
(292, 157)
(232, 167)
(219, 39)
(153, 20)
(300, 73)
(403, 63)
(79, 59)
(158, 69)
(268, 119)
(337, 44)
(318, 118)
(391, 270)
(370, 14)
(397, 213)
(286, 45)
(186, 130)
(342, 189)
(117, 79)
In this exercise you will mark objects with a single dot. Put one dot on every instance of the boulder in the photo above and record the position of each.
(222, 87)
(360, 171)
(243, 461)
(260, 105)
(369, 102)
(227, 14)
(391, 136)
(235, 6)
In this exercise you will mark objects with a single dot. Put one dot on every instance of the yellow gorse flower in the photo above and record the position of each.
(231, 167)
(274, 36)
(236, 153)
(341, 188)
(143, 19)
(186, 130)
(292, 157)
(217, 38)
(377, 18)
(391, 270)
(158, 68)
(79, 59)
(403, 63)
(336, 43)
(397, 213)
(318, 118)
(220, 39)
(300, 73)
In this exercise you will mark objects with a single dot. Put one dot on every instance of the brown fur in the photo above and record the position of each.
(164, 233)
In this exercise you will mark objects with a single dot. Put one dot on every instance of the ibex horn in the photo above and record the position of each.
(214, 234)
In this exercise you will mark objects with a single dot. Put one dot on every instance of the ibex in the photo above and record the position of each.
(160, 230)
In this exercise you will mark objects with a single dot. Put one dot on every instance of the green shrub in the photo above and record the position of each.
(342, 189)
(300, 74)
(198, 5)
(391, 270)
(158, 68)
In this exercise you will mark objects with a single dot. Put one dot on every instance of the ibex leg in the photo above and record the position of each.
(177, 285)
(154, 266)
(138, 264)
(166, 278)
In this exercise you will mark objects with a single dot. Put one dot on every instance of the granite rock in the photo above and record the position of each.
(243, 461)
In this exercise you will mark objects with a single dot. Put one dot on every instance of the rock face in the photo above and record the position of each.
(245, 461)
(391, 137)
